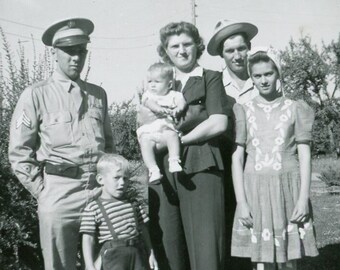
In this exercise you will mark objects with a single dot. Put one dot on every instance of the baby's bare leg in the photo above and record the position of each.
(173, 143)
(174, 147)
(148, 147)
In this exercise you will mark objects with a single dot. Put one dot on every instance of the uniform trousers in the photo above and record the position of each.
(60, 205)
(187, 220)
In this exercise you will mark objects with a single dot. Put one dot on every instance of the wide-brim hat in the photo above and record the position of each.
(227, 28)
(69, 32)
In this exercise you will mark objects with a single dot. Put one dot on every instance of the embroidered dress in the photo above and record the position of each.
(270, 131)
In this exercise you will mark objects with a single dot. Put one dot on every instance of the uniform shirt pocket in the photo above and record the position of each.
(58, 128)
(97, 119)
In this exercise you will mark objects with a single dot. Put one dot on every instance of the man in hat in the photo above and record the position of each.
(59, 129)
(231, 41)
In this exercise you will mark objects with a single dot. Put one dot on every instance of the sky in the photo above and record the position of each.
(124, 42)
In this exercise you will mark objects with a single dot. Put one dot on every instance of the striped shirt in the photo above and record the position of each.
(122, 217)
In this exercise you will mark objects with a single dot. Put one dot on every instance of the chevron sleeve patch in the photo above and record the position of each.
(23, 120)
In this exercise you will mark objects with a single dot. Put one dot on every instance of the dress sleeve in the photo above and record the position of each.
(304, 122)
(216, 99)
(240, 125)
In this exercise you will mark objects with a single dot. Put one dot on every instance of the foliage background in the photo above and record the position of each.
(307, 74)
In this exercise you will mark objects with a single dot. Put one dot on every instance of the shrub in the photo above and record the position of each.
(331, 176)
(123, 120)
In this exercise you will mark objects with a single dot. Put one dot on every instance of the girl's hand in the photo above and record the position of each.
(152, 261)
(300, 212)
(245, 217)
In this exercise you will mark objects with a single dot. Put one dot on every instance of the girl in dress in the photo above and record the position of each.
(273, 224)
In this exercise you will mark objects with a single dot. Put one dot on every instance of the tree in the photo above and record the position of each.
(306, 74)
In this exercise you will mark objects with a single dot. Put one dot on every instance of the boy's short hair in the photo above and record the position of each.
(166, 70)
(113, 160)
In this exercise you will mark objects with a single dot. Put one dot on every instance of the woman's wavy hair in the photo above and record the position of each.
(177, 28)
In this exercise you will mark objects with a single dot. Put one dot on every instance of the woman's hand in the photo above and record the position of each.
(300, 212)
(244, 215)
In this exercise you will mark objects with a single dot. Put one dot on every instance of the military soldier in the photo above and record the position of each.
(59, 129)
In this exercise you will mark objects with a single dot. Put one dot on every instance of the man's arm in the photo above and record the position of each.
(24, 141)
(146, 237)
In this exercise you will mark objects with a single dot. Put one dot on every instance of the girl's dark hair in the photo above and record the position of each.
(176, 29)
(260, 57)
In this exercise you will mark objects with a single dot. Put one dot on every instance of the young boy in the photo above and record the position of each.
(159, 131)
(115, 221)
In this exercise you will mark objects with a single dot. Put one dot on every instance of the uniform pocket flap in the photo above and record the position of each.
(58, 117)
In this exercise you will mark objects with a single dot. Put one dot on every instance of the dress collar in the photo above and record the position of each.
(196, 72)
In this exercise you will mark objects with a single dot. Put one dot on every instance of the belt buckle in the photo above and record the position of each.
(131, 242)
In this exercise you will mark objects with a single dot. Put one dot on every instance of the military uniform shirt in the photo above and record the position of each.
(61, 122)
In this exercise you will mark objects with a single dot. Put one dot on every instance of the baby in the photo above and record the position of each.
(159, 133)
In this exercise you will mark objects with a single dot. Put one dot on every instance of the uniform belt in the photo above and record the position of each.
(69, 170)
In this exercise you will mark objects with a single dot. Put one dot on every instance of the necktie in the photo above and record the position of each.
(77, 95)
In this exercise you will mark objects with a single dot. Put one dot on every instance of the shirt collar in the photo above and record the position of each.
(65, 81)
(228, 80)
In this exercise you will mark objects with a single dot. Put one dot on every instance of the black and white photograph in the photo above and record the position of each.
(169, 135)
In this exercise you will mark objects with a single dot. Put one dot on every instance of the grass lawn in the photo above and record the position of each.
(326, 208)
(327, 224)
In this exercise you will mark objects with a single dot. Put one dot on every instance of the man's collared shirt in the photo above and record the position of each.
(232, 89)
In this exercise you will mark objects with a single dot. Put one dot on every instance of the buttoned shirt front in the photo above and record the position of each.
(61, 122)
(232, 89)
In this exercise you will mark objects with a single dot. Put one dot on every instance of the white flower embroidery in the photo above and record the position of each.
(266, 235)
(251, 119)
(279, 141)
(277, 166)
(258, 167)
(288, 102)
(277, 243)
(283, 118)
(249, 104)
(255, 142)
(253, 237)
(284, 234)
(267, 109)
(302, 233)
